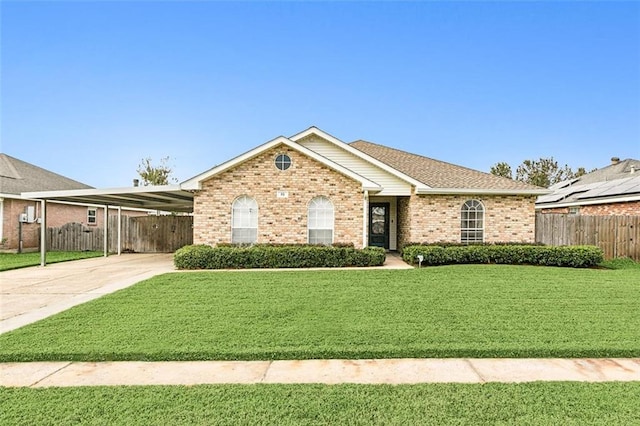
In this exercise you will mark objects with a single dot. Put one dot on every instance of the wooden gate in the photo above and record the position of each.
(617, 236)
(140, 234)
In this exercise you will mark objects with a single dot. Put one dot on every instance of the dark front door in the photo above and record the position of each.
(379, 224)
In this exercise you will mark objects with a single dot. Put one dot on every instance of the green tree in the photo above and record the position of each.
(155, 175)
(543, 172)
(502, 169)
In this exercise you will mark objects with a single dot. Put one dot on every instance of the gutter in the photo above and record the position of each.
(588, 202)
(444, 191)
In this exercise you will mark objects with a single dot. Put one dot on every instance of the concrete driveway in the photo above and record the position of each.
(31, 294)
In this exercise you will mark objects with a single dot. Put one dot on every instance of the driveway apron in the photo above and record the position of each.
(30, 294)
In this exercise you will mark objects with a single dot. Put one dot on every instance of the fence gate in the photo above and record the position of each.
(140, 234)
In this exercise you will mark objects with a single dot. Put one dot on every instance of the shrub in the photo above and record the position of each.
(226, 256)
(516, 254)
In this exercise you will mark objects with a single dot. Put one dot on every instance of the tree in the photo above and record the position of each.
(155, 175)
(502, 169)
(543, 172)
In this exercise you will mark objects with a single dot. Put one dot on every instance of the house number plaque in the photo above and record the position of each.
(282, 194)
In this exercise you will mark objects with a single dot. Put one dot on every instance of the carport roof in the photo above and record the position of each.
(166, 197)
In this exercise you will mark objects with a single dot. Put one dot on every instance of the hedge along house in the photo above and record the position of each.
(314, 188)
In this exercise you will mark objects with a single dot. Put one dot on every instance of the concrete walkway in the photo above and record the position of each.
(379, 371)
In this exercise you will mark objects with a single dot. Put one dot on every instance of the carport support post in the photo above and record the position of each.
(43, 232)
(106, 231)
(119, 229)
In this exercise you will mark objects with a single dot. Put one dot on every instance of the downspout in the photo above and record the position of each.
(365, 218)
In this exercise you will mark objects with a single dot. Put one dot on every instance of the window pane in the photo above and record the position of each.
(320, 221)
(472, 222)
(320, 236)
(244, 222)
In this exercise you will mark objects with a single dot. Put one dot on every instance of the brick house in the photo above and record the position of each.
(609, 191)
(314, 188)
(20, 228)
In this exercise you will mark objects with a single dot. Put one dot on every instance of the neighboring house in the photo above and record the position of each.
(612, 190)
(314, 188)
(21, 216)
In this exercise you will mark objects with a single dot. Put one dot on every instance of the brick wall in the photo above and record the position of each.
(631, 208)
(280, 220)
(57, 215)
(435, 218)
(404, 222)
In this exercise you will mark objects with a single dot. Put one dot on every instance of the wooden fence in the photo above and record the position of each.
(141, 234)
(617, 236)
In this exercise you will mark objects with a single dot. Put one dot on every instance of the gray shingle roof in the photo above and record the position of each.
(438, 174)
(17, 176)
(611, 182)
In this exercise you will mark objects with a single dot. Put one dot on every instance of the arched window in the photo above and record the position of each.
(472, 222)
(320, 222)
(244, 221)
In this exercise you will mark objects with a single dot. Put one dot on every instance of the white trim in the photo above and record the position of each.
(1, 217)
(315, 131)
(482, 228)
(195, 183)
(480, 191)
(365, 219)
(588, 202)
(104, 191)
(95, 216)
(71, 203)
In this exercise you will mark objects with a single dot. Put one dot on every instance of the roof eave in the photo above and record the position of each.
(625, 199)
(486, 191)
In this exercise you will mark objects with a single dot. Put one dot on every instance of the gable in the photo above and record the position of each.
(391, 185)
(195, 183)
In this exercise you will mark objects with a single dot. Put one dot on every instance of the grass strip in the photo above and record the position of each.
(475, 311)
(551, 403)
(10, 261)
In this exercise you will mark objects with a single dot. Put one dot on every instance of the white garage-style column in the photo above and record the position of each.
(43, 232)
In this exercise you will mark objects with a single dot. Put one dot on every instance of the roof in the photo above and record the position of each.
(439, 174)
(618, 182)
(163, 197)
(17, 176)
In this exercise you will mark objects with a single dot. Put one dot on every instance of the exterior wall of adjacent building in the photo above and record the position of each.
(437, 218)
(281, 218)
(58, 214)
(631, 208)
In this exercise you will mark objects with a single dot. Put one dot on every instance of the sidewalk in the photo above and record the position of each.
(378, 371)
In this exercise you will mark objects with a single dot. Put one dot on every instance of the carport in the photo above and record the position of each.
(168, 198)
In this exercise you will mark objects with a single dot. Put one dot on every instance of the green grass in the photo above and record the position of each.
(432, 404)
(14, 261)
(448, 311)
(620, 263)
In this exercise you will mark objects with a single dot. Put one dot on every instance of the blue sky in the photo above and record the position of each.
(90, 88)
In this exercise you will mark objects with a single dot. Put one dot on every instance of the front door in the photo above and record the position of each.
(379, 224)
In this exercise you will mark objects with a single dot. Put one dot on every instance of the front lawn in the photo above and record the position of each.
(429, 404)
(14, 261)
(448, 311)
